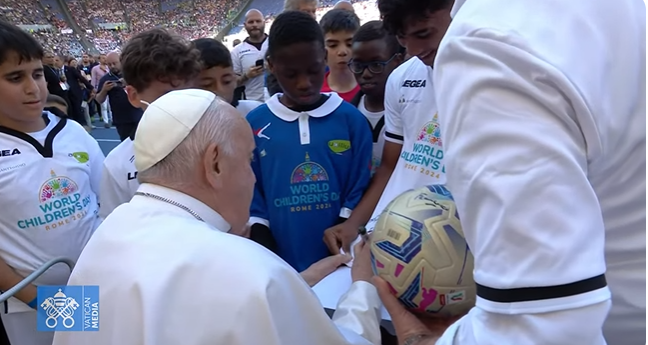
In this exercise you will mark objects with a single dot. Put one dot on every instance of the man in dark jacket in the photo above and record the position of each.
(75, 92)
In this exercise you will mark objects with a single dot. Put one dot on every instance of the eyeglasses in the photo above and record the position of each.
(375, 67)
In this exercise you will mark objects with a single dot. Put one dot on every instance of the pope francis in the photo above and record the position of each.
(170, 266)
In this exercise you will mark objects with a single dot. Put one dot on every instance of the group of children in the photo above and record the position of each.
(314, 159)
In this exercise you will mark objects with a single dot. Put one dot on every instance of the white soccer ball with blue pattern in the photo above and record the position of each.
(419, 248)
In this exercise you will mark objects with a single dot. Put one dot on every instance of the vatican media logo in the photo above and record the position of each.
(68, 308)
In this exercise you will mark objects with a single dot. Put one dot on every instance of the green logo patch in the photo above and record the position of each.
(339, 146)
(81, 157)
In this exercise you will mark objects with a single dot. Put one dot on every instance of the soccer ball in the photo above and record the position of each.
(419, 248)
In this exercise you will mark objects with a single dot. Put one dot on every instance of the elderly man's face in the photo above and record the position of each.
(237, 177)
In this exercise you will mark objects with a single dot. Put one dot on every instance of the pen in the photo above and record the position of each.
(362, 231)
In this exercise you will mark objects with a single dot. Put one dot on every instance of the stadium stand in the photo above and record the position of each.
(72, 27)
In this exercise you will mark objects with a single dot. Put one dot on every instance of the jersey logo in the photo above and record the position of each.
(132, 175)
(339, 146)
(81, 157)
(259, 132)
(414, 83)
(5, 153)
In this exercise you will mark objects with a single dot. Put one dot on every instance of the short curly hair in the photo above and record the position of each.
(158, 55)
(397, 13)
(293, 27)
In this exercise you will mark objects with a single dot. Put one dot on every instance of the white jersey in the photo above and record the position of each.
(244, 57)
(544, 117)
(411, 119)
(119, 179)
(49, 202)
(246, 106)
(377, 121)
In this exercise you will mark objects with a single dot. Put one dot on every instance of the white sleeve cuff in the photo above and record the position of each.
(257, 220)
(345, 212)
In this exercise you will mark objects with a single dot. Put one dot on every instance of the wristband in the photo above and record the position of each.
(34, 303)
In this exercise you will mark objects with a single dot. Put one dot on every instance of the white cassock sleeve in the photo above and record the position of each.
(517, 136)
(112, 193)
(299, 318)
(260, 300)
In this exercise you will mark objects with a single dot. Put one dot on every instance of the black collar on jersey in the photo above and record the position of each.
(47, 150)
(375, 132)
(256, 45)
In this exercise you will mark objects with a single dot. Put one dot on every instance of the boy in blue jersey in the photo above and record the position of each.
(313, 156)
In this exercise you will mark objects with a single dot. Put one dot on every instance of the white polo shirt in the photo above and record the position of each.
(544, 129)
(119, 179)
(244, 57)
(412, 120)
(50, 182)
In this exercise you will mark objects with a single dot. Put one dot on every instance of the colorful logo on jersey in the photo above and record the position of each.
(60, 203)
(431, 133)
(426, 154)
(57, 187)
(308, 172)
(309, 188)
(339, 146)
(81, 157)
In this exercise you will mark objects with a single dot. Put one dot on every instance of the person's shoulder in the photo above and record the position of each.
(259, 113)
(120, 155)
(246, 106)
(347, 109)
(236, 50)
(71, 127)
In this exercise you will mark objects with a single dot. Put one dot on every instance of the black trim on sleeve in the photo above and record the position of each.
(47, 150)
(393, 136)
(262, 235)
(541, 293)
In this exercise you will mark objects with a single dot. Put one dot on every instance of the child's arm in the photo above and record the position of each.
(259, 217)
(9, 278)
(360, 174)
(258, 209)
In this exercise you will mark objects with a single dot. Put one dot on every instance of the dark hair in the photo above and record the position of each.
(212, 53)
(397, 13)
(293, 27)
(56, 100)
(374, 30)
(339, 20)
(14, 39)
(157, 55)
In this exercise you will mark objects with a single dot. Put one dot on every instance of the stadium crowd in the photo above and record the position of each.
(189, 18)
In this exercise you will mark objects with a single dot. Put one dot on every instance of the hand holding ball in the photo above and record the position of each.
(419, 248)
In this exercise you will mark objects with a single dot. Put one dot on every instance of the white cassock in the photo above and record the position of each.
(167, 278)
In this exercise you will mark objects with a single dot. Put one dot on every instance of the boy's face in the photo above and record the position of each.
(219, 80)
(23, 90)
(371, 57)
(421, 38)
(299, 69)
(338, 49)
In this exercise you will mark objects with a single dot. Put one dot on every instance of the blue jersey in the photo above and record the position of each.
(311, 168)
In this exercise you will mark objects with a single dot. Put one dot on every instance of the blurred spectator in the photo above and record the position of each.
(105, 11)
